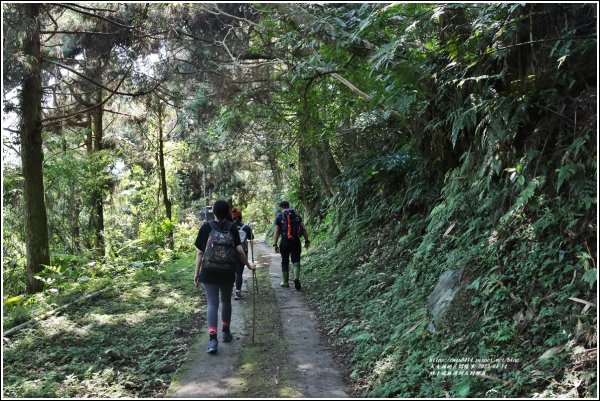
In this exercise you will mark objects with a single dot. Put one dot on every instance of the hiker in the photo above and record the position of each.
(245, 234)
(289, 225)
(219, 252)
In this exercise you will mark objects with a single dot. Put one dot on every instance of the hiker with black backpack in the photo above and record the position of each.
(289, 225)
(219, 251)
(245, 235)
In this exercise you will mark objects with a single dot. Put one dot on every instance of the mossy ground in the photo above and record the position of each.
(264, 367)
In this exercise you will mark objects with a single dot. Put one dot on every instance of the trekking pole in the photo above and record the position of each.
(255, 285)
(253, 271)
(253, 306)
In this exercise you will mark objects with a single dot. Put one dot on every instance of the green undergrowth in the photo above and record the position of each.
(264, 369)
(527, 266)
(126, 342)
(69, 278)
(21, 308)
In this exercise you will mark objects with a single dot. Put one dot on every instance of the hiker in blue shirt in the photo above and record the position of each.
(219, 252)
(289, 225)
(246, 235)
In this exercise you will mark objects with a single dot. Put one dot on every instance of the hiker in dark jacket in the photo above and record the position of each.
(219, 252)
(289, 225)
(246, 231)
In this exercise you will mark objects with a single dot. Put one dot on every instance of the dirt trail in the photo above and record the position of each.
(296, 363)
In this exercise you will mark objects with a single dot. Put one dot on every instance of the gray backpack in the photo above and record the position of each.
(220, 252)
(244, 239)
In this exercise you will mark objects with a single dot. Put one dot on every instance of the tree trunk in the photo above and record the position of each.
(89, 146)
(326, 165)
(276, 172)
(163, 174)
(308, 192)
(97, 201)
(32, 156)
(75, 210)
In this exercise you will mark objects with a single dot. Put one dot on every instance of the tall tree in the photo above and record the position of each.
(98, 49)
(36, 220)
(162, 170)
(97, 196)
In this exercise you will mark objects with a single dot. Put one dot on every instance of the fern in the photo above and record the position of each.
(462, 120)
(565, 173)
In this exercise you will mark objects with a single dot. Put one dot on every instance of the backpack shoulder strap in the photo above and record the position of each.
(213, 224)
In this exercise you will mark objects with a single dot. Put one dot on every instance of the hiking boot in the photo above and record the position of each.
(286, 279)
(297, 276)
(226, 336)
(213, 346)
(238, 295)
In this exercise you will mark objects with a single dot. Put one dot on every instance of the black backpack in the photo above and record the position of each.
(290, 224)
(220, 253)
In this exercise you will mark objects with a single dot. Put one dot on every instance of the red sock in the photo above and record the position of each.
(212, 330)
(225, 325)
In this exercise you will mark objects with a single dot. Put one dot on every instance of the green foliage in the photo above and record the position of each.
(503, 193)
(261, 213)
(13, 277)
(413, 138)
(155, 232)
(127, 342)
(65, 279)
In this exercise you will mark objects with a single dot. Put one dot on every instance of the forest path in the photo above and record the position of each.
(289, 356)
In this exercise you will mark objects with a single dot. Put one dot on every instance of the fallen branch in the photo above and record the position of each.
(360, 93)
(420, 322)
(587, 304)
(344, 323)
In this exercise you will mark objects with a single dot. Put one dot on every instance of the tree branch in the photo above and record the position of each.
(97, 83)
(220, 74)
(113, 92)
(189, 35)
(78, 33)
(358, 92)
(539, 41)
(97, 16)
(13, 147)
(300, 18)
(164, 100)
(53, 22)
(94, 9)
(219, 11)
(116, 112)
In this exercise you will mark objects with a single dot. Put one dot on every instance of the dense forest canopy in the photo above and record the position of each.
(415, 138)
